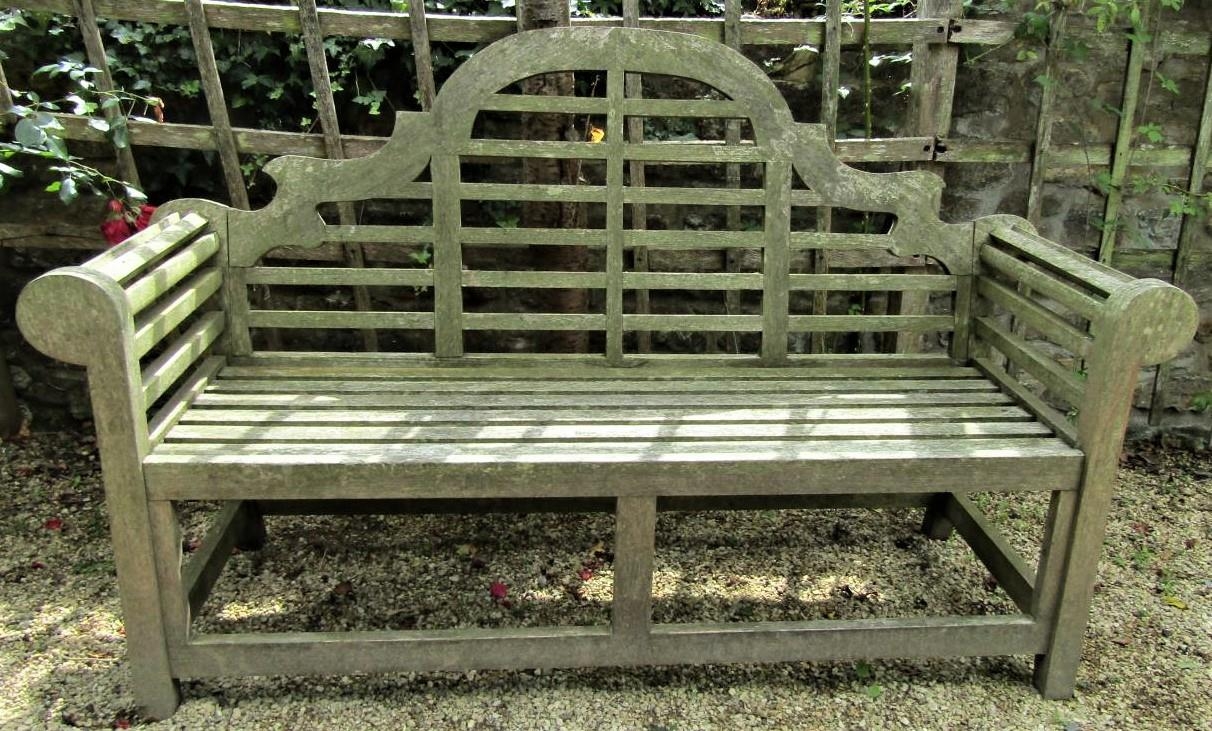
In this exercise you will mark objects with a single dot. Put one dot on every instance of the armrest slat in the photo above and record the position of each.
(1038, 317)
(1096, 275)
(1054, 376)
(1039, 281)
(169, 414)
(160, 375)
(156, 323)
(126, 259)
(143, 291)
(1051, 418)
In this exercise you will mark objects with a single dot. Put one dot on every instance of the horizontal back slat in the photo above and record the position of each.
(874, 282)
(380, 234)
(329, 276)
(693, 323)
(541, 280)
(534, 236)
(534, 148)
(838, 241)
(691, 280)
(707, 152)
(533, 192)
(531, 321)
(871, 323)
(554, 104)
(294, 319)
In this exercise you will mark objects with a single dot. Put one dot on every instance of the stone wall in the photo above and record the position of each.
(996, 98)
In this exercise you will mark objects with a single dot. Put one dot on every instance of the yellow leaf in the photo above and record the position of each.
(1175, 602)
(596, 134)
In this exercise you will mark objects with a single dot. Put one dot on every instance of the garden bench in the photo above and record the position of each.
(187, 409)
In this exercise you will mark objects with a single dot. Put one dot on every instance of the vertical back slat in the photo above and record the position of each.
(776, 261)
(447, 256)
(732, 171)
(614, 214)
(633, 88)
(326, 108)
(830, 81)
(94, 48)
(932, 89)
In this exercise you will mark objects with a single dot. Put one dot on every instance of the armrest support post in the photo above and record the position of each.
(1144, 322)
(81, 316)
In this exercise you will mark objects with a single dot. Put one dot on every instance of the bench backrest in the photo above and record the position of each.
(775, 168)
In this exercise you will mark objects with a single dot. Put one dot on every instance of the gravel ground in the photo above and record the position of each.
(1148, 652)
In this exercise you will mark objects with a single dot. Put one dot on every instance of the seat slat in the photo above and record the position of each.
(700, 415)
(634, 401)
(351, 371)
(326, 386)
(273, 471)
(656, 433)
(639, 451)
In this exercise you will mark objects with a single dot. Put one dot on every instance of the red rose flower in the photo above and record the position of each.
(144, 217)
(115, 230)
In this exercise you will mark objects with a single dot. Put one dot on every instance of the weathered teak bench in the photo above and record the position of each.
(163, 321)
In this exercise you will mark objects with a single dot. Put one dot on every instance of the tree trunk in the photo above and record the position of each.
(533, 14)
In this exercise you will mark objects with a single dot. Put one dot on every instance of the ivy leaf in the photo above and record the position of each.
(10, 171)
(29, 134)
(1152, 132)
(67, 191)
(54, 187)
(99, 124)
(79, 106)
(119, 134)
(56, 148)
(1168, 84)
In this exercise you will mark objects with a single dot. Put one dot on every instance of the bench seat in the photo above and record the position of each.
(302, 432)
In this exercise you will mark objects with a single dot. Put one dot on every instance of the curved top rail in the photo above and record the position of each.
(305, 182)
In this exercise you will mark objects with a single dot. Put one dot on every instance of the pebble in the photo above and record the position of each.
(61, 655)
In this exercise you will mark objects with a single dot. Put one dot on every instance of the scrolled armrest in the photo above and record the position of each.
(1150, 321)
(76, 315)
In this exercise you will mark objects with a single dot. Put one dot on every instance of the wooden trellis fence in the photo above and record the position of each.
(935, 36)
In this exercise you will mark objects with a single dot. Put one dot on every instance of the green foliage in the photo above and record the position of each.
(1130, 19)
(1201, 401)
(38, 133)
